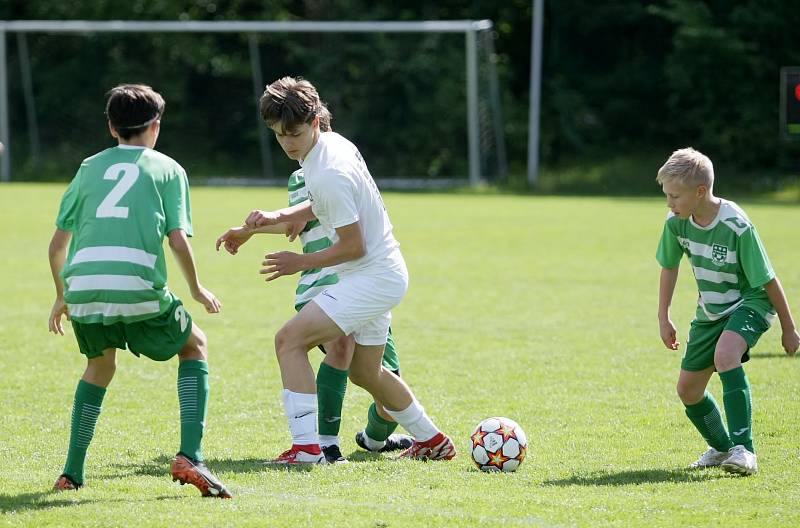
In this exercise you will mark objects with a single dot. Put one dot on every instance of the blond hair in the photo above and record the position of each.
(689, 167)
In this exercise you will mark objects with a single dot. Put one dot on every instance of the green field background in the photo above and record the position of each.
(542, 309)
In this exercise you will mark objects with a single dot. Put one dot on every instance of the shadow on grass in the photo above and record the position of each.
(44, 500)
(771, 355)
(636, 477)
(159, 466)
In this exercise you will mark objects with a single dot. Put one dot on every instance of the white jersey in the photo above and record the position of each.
(342, 192)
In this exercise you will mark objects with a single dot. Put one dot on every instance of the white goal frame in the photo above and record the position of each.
(469, 28)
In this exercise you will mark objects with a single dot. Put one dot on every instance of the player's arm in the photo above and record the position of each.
(666, 289)
(789, 338)
(237, 236)
(57, 254)
(297, 213)
(182, 250)
(350, 246)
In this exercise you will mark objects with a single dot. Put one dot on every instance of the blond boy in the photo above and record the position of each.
(739, 297)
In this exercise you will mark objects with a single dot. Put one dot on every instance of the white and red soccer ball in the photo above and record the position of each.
(498, 444)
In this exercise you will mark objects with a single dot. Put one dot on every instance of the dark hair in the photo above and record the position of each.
(131, 108)
(325, 119)
(292, 102)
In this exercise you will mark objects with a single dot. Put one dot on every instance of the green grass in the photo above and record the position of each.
(542, 309)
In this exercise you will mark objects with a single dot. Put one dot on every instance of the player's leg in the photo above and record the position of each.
(160, 339)
(742, 331)
(193, 391)
(701, 408)
(331, 387)
(308, 328)
(98, 343)
(378, 435)
(703, 411)
(366, 371)
(85, 412)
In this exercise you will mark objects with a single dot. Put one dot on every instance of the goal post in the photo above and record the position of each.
(471, 29)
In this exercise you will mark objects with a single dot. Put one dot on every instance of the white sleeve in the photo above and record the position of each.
(335, 199)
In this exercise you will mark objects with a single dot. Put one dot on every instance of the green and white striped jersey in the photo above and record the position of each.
(727, 257)
(118, 207)
(314, 238)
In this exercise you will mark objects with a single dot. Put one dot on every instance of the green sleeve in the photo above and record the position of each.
(669, 251)
(753, 258)
(177, 205)
(68, 210)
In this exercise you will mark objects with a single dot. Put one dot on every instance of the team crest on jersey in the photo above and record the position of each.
(719, 254)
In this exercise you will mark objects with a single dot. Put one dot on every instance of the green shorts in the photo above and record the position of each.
(159, 338)
(703, 337)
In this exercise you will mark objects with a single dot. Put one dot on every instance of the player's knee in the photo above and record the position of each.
(285, 343)
(364, 378)
(726, 358)
(100, 371)
(688, 393)
(196, 346)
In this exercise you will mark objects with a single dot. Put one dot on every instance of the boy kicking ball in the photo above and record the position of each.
(372, 276)
(378, 435)
(739, 297)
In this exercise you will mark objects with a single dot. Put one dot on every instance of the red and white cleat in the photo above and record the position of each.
(299, 454)
(440, 447)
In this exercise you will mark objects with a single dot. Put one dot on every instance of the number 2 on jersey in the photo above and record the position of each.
(108, 208)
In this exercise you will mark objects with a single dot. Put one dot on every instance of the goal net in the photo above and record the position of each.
(419, 99)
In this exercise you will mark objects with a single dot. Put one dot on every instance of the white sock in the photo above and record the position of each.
(328, 440)
(301, 411)
(415, 421)
(372, 445)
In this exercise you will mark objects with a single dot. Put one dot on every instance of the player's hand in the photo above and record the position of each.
(280, 264)
(59, 310)
(234, 238)
(260, 218)
(294, 228)
(207, 299)
(791, 342)
(669, 335)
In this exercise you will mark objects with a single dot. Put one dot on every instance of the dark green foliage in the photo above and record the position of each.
(620, 79)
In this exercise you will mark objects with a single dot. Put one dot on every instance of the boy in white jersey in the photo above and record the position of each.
(109, 270)
(372, 276)
(378, 435)
(739, 295)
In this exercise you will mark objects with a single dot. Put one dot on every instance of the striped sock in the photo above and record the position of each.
(193, 398)
(706, 418)
(738, 406)
(85, 411)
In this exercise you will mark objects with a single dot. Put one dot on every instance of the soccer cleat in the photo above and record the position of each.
(711, 458)
(440, 447)
(395, 442)
(65, 483)
(740, 461)
(299, 454)
(333, 455)
(185, 469)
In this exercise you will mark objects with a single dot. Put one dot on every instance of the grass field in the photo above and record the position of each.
(542, 309)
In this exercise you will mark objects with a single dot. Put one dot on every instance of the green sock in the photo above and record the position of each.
(738, 406)
(331, 386)
(85, 411)
(706, 418)
(193, 398)
(377, 428)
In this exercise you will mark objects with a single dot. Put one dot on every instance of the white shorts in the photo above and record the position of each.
(360, 303)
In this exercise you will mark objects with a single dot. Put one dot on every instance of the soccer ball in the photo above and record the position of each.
(498, 444)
